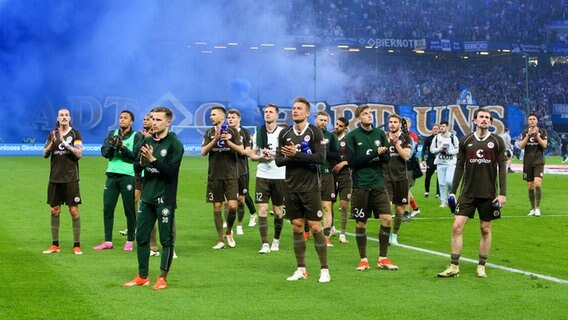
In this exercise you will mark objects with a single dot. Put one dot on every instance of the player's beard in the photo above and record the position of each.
(156, 133)
(298, 120)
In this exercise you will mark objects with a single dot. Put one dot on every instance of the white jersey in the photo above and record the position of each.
(445, 148)
(507, 139)
(269, 169)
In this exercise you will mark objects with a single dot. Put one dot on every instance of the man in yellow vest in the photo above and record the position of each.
(118, 148)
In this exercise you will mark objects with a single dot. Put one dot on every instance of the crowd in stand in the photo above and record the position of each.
(523, 20)
(438, 81)
(430, 81)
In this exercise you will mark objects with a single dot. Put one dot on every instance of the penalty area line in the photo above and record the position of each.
(492, 265)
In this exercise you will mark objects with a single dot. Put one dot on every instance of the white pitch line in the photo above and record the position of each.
(502, 217)
(492, 265)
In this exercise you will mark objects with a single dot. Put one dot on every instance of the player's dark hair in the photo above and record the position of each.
(360, 109)
(235, 111)
(272, 105)
(482, 110)
(394, 115)
(304, 101)
(220, 108)
(130, 113)
(167, 111)
(532, 114)
(344, 121)
(323, 113)
(63, 108)
(444, 122)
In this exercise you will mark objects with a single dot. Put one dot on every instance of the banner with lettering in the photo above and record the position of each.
(94, 118)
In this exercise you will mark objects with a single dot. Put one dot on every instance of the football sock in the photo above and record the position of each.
(77, 229)
(250, 204)
(278, 224)
(300, 249)
(413, 205)
(384, 234)
(240, 211)
(343, 220)
(538, 195)
(455, 258)
(531, 198)
(332, 214)
(231, 217)
(321, 248)
(326, 232)
(361, 238)
(225, 211)
(482, 260)
(218, 219)
(397, 222)
(55, 229)
(263, 229)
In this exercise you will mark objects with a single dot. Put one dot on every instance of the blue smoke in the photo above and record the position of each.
(99, 57)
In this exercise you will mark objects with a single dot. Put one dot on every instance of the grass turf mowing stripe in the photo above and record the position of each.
(492, 265)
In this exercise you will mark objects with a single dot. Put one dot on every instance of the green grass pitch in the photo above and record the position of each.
(241, 284)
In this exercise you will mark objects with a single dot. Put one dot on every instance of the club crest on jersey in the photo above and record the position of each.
(69, 139)
(342, 144)
(377, 143)
(165, 212)
(307, 138)
(163, 152)
(490, 145)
